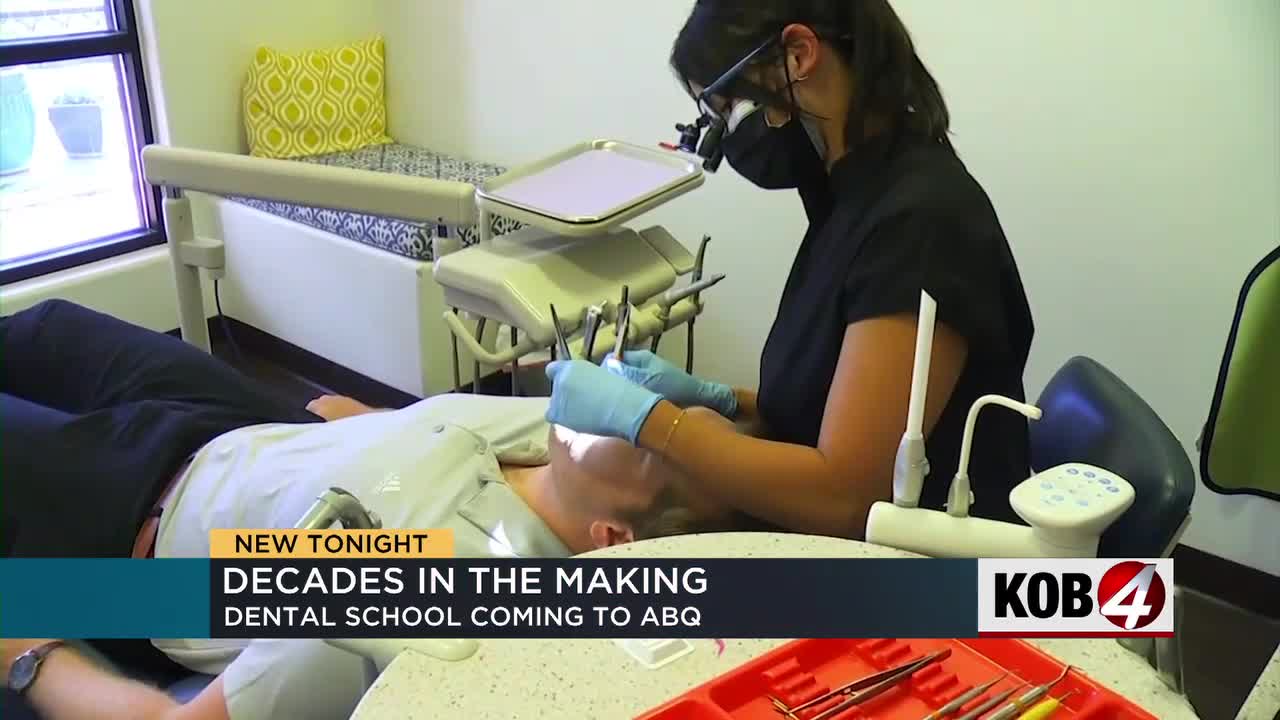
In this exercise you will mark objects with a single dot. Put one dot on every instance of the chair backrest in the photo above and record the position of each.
(1091, 416)
(1239, 453)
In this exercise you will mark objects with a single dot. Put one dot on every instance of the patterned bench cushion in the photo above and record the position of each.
(410, 239)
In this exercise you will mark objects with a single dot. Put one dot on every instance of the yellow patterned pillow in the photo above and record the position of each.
(316, 102)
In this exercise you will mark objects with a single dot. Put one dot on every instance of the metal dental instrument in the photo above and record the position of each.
(624, 325)
(592, 324)
(1012, 709)
(562, 345)
(965, 699)
(697, 276)
(847, 688)
(882, 687)
(860, 691)
(340, 505)
(671, 297)
(982, 709)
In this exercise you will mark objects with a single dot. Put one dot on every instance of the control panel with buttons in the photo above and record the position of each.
(1072, 497)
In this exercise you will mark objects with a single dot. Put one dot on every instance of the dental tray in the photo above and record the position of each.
(805, 669)
(590, 188)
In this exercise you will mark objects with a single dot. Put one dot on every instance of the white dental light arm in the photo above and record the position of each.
(960, 497)
(911, 466)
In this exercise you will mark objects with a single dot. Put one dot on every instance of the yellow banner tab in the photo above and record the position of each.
(226, 544)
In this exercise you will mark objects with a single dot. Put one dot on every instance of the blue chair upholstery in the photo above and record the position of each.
(1092, 416)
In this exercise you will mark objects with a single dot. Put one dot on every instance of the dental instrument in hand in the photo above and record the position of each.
(562, 345)
(1046, 709)
(624, 324)
(962, 700)
(985, 707)
(1022, 703)
(697, 275)
(589, 334)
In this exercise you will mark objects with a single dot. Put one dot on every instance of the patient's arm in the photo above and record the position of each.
(336, 407)
(70, 687)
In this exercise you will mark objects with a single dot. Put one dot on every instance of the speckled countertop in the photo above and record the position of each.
(1264, 702)
(596, 680)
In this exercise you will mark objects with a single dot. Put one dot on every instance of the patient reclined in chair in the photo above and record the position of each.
(132, 424)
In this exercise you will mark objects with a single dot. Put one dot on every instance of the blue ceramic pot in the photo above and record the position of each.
(18, 122)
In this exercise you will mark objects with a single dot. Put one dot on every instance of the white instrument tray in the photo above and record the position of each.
(590, 188)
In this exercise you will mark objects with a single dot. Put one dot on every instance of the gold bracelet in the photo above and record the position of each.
(672, 431)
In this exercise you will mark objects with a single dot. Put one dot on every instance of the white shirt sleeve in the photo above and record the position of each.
(295, 679)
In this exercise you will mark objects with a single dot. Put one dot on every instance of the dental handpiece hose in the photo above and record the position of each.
(960, 495)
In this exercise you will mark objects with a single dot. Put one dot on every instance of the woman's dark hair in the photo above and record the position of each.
(890, 81)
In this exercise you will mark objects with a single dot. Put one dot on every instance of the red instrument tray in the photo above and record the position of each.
(805, 669)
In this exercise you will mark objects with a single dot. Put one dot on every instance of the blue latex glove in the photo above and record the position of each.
(648, 370)
(587, 398)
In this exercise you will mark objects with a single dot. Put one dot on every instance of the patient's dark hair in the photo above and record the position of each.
(890, 81)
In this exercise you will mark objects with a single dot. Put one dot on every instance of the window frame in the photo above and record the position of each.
(124, 42)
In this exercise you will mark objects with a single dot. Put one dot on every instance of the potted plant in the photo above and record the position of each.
(19, 137)
(77, 118)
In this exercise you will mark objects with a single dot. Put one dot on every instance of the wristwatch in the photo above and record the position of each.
(23, 671)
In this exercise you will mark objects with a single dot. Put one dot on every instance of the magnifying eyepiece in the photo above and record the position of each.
(709, 149)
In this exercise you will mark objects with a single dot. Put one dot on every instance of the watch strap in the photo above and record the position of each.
(43, 651)
(38, 653)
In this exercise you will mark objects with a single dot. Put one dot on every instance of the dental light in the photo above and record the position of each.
(1067, 507)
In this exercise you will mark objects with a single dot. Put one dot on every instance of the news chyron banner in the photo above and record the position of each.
(401, 584)
(409, 584)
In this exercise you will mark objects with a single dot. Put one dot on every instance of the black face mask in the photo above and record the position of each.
(761, 154)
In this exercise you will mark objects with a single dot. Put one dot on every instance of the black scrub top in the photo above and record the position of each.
(900, 214)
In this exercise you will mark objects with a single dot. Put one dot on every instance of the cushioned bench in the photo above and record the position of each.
(409, 239)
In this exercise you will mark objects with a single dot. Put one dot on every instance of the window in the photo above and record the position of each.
(73, 117)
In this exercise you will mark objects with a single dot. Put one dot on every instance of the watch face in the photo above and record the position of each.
(23, 672)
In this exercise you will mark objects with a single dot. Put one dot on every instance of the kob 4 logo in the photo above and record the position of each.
(1075, 598)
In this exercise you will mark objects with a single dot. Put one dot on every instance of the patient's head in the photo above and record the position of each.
(619, 493)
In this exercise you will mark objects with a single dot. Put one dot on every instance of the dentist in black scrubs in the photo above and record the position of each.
(829, 98)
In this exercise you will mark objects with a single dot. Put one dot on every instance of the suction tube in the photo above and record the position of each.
(911, 465)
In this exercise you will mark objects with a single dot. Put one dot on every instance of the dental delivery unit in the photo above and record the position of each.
(1067, 507)
(572, 251)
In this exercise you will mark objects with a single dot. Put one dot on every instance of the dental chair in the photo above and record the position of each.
(1090, 415)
